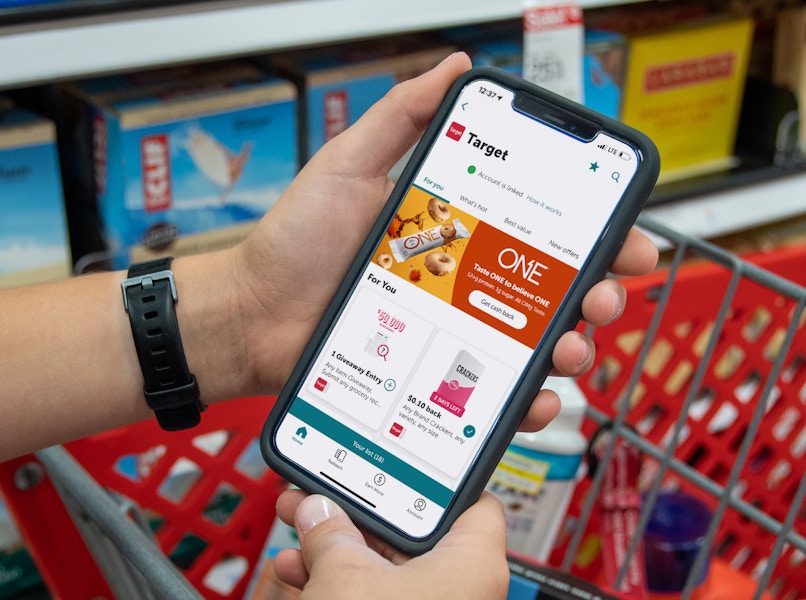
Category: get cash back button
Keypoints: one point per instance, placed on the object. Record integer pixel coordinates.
(497, 309)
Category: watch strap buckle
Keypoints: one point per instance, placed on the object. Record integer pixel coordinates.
(147, 281)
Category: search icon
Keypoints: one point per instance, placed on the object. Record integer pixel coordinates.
(615, 176)
(383, 351)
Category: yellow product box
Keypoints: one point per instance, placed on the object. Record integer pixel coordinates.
(684, 88)
(789, 59)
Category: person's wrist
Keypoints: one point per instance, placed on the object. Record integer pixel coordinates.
(209, 323)
(277, 295)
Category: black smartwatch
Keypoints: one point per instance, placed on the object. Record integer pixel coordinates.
(171, 391)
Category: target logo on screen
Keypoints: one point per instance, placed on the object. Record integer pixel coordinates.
(455, 131)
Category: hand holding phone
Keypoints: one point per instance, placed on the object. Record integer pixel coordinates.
(513, 205)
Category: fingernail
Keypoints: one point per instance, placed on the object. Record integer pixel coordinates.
(619, 301)
(315, 510)
(586, 356)
(450, 56)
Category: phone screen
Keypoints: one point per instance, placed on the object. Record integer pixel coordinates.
(413, 374)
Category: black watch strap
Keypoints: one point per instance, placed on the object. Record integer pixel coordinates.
(149, 296)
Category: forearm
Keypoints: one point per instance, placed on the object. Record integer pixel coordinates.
(69, 366)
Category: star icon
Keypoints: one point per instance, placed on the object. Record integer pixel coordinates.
(594, 166)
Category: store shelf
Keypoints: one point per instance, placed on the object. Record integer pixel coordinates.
(61, 49)
(68, 48)
(721, 213)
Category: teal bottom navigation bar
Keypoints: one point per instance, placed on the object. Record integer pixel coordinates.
(372, 453)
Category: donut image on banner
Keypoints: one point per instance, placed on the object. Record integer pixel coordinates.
(425, 242)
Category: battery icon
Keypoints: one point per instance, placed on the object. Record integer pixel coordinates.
(624, 155)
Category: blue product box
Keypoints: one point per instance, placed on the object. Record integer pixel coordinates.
(191, 166)
(498, 44)
(338, 86)
(506, 54)
(34, 244)
(603, 72)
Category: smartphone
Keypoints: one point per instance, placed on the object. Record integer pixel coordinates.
(514, 203)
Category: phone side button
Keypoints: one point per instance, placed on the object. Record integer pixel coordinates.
(496, 308)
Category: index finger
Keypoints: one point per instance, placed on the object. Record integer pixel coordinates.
(401, 117)
(638, 255)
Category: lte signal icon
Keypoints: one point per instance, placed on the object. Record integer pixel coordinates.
(602, 146)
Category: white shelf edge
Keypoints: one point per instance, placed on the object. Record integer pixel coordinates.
(722, 213)
(81, 47)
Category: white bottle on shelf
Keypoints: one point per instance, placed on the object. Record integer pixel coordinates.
(536, 477)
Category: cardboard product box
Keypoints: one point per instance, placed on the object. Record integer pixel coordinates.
(641, 17)
(604, 63)
(34, 244)
(191, 166)
(603, 71)
(339, 84)
(200, 76)
(506, 54)
(497, 44)
(789, 60)
(75, 125)
(684, 88)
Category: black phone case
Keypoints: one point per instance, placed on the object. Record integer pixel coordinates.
(566, 318)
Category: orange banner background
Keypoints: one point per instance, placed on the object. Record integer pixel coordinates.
(483, 250)
(536, 294)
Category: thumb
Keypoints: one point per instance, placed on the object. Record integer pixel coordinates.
(401, 117)
(326, 533)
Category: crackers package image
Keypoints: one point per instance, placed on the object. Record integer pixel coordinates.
(458, 384)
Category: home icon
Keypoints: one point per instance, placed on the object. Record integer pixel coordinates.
(302, 432)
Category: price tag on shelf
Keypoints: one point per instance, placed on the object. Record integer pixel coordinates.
(553, 47)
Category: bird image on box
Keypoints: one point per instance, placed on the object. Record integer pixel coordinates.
(219, 164)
